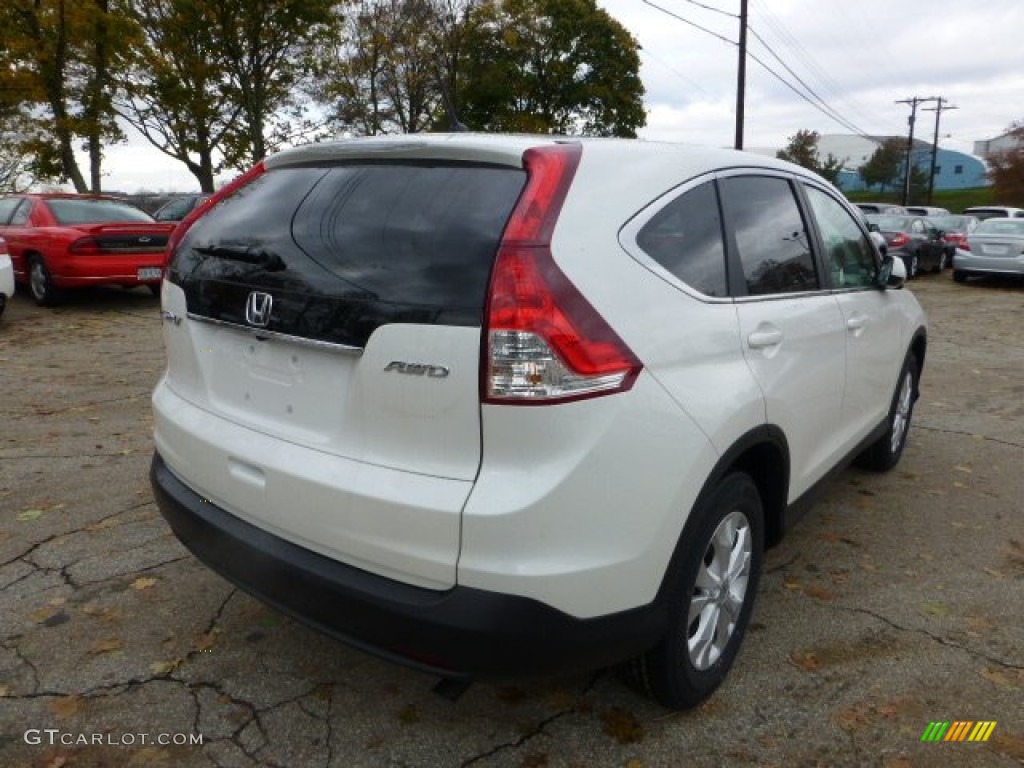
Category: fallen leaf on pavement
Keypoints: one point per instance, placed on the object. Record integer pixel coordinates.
(65, 706)
(160, 668)
(622, 726)
(106, 645)
(805, 660)
(143, 582)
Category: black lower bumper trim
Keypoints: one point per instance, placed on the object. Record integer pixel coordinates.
(461, 633)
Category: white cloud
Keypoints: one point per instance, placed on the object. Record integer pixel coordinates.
(860, 56)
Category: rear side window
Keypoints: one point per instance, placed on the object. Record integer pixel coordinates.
(685, 237)
(771, 237)
(346, 249)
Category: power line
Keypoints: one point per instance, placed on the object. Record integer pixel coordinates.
(691, 23)
(823, 107)
(711, 8)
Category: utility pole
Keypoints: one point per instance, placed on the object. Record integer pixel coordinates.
(741, 75)
(913, 102)
(935, 143)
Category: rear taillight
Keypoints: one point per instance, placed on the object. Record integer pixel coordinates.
(85, 246)
(899, 240)
(543, 341)
(203, 208)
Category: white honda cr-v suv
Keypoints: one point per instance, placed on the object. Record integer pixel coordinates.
(495, 405)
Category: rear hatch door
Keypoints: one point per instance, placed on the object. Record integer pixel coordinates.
(336, 307)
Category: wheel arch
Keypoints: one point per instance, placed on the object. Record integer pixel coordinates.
(26, 256)
(763, 454)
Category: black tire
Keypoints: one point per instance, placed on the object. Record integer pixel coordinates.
(913, 266)
(698, 649)
(941, 264)
(885, 453)
(40, 283)
(959, 276)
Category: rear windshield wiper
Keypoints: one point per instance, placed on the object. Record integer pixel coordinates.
(248, 254)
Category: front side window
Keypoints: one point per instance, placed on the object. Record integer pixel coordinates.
(685, 237)
(771, 237)
(849, 253)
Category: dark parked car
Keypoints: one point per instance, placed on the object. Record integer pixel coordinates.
(914, 239)
(178, 208)
(927, 210)
(955, 230)
(890, 208)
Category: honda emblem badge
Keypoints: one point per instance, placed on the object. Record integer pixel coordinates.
(257, 309)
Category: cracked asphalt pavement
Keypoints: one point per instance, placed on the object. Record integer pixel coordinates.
(898, 600)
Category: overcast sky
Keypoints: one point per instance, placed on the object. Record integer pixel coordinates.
(858, 56)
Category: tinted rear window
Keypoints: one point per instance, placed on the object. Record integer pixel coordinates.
(70, 212)
(346, 249)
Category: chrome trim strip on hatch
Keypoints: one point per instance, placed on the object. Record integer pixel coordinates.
(262, 333)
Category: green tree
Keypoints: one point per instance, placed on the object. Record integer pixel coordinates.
(1006, 169)
(264, 48)
(885, 166)
(175, 93)
(382, 74)
(802, 149)
(549, 66)
(57, 60)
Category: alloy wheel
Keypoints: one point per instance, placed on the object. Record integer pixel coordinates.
(901, 416)
(720, 590)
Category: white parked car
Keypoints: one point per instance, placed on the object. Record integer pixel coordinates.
(996, 248)
(6, 276)
(494, 405)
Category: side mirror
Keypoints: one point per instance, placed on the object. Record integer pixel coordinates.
(892, 273)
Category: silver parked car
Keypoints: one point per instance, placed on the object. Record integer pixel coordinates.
(996, 247)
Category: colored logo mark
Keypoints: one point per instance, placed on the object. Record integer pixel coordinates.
(959, 730)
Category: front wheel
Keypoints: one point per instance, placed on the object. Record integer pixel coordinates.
(912, 266)
(885, 452)
(711, 599)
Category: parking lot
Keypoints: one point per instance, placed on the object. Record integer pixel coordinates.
(897, 602)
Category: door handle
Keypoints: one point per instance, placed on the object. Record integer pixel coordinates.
(856, 322)
(764, 337)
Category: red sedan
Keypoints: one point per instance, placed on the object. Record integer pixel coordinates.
(61, 241)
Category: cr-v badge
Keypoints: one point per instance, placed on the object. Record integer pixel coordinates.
(417, 369)
(257, 309)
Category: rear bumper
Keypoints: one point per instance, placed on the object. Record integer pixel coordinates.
(119, 269)
(460, 633)
(967, 261)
